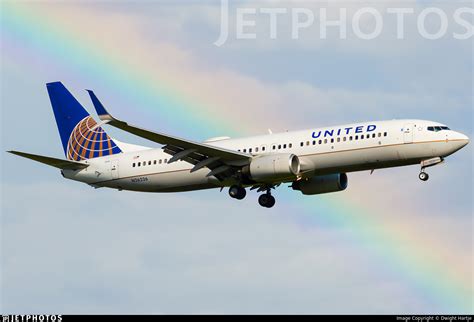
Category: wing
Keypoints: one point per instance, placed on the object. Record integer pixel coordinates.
(222, 162)
(57, 163)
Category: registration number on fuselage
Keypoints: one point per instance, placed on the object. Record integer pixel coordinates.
(139, 179)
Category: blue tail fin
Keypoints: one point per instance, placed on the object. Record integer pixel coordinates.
(80, 135)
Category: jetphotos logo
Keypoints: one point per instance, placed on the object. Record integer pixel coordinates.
(32, 318)
(242, 21)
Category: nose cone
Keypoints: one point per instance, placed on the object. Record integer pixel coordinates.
(463, 139)
(460, 140)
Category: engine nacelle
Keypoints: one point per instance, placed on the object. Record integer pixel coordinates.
(268, 168)
(321, 184)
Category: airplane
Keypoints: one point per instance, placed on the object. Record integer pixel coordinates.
(313, 161)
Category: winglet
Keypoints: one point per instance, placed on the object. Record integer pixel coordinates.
(100, 109)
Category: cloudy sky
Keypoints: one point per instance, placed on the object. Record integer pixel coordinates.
(388, 244)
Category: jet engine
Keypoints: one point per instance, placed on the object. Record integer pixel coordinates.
(269, 168)
(321, 184)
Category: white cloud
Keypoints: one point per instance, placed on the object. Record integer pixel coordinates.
(106, 251)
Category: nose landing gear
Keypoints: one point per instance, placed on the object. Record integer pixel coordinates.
(423, 175)
(428, 163)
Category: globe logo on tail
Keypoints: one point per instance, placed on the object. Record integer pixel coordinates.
(89, 141)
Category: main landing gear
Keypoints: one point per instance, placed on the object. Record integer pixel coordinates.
(266, 200)
(237, 192)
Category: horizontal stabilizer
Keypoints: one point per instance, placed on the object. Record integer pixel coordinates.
(57, 163)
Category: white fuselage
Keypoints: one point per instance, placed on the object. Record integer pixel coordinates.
(335, 149)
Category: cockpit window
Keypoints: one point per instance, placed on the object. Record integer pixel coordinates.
(437, 128)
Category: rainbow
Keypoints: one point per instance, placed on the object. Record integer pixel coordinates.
(30, 33)
(434, 281)
(39, 31)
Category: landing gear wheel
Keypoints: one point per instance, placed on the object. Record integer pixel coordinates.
(241, 194)
(237, 192)
(266, 200)
(271, 201)
(423, 176)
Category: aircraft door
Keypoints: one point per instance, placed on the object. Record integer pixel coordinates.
(114, 169)
(408, 131)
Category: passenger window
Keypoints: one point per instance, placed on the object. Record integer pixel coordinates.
(325, 141)
(133, 165)
(154, 162)
(256, 149)
(332, 140)
(338, 139)
(301, 144)
(144, 163)
(314, 142)
(373, 136)
(263, 148)
(274, 147)
(290, 145)
(307, 142)
(279, 146)
(344, 139)
(350, 138)
(250, 150)
(165, 160)
(380, 134)
(320, 141)
(385, 134)
(356, 137)
(284, 146)
(139, 163)
(149, 162)
(245, 150)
